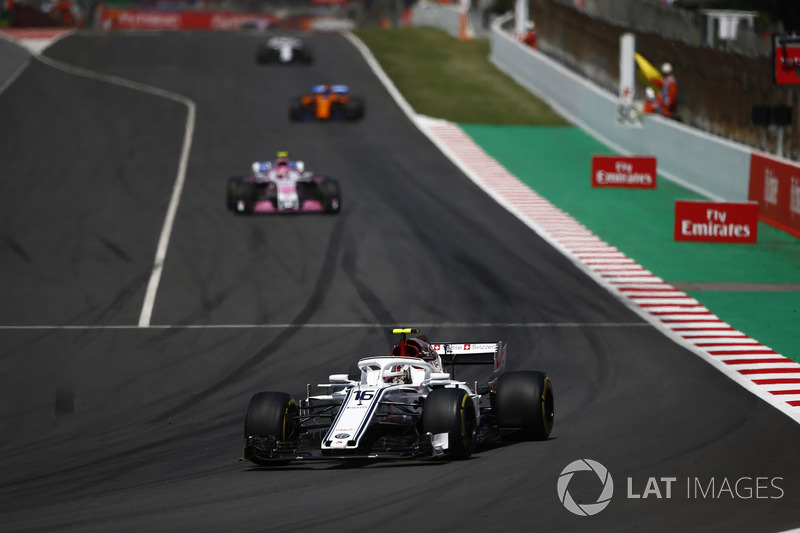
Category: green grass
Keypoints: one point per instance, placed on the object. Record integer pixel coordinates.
(446, 78)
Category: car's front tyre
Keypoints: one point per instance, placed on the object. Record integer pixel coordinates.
(355, 108)
(331, 196)
(239, 196)
(269, 414)
(451, 411)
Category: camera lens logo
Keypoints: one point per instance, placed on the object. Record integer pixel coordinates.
(587, 509)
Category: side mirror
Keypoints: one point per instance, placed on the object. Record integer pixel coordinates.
(339, 379)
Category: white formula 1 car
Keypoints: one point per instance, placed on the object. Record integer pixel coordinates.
(283, 51)
(402, 405)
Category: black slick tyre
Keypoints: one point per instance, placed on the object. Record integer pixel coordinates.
(271, 414)
(524, 401)
(239, 196)
(451, 411)
(297, 110)
(264, 55)
(331, 196)
(355, 109)
(231, 193)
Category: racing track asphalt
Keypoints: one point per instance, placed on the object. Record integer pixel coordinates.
(111, 427)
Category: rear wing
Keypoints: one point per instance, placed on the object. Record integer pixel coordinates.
(492, 353)
(339, 88)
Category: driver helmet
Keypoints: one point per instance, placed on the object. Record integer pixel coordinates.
(282, 159)
(414, 347)
(397, 374)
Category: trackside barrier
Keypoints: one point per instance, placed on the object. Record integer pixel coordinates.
(443, 16)
(775, 185)
(713, 167)
(710, 166)
(140, 19)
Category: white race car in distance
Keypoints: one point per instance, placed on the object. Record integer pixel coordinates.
(283, 50)
(402, 405)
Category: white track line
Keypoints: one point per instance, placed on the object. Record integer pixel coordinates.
(36, 41)
(11, 79)
(166, 230)
(334, 325)
(682, 318)
(180, 179)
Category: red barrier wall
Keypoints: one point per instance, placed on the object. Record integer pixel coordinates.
(775, 185)
(130, 19)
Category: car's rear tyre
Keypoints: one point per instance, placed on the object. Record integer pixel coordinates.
(451, 411)
(524, 401)
(271, 414)
(331, 196)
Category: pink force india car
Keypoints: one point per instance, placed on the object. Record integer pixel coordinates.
(404, 404)
(283, 186)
